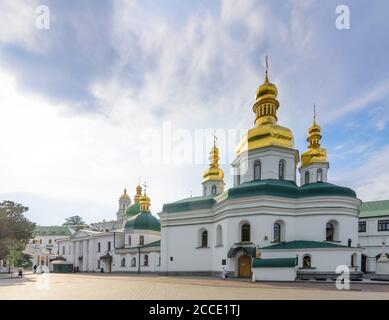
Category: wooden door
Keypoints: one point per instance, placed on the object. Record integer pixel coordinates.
(244, 265)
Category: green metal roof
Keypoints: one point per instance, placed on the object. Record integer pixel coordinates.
(269, 187)
(192, 203)
(303, 244)
(52, 231)
(143, 221)
(152, 244)
(374, 209)
(275, 263)
(133, 209)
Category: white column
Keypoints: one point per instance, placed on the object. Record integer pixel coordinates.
(77, 254)
(73, 253)
(91, 265)
(85, 255)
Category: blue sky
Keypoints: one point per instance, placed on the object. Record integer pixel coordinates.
(77, 100)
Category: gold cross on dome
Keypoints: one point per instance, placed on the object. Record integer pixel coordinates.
(314, 112)
(145, 186)
(214, 137)
(267, 63)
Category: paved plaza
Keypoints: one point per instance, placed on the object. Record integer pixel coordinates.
(131, 287)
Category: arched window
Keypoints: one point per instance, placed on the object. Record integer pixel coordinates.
(330, 231)
(219, 240)
(214, 189)
(281, 170)
(146, 260)
(129, 240)
(133, 262)
(141, 240)
(276, 232)
(257, 170)
(319, 175)
(245, 234)
(204, 238)
(306, 177)
(123, 262)
(306, 262)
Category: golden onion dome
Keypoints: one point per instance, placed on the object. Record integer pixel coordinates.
(266, 89)
(314, 152)
(125, 196)
(144, 203)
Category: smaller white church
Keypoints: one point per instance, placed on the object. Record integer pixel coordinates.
(134, 247)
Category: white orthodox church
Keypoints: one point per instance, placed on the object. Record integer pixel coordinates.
(267, 226)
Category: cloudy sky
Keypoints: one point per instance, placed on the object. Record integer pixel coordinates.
(116, 90)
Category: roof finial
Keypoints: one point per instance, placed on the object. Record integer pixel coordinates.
(145, 187)
(314, 112)
(214, 138)
(267, 68)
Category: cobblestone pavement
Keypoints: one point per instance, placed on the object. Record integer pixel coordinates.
(129, 287)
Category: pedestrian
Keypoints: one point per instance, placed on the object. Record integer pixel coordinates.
(20, 273)
(224, 273)
(35, 267)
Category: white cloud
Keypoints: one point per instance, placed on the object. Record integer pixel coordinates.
(201, 74)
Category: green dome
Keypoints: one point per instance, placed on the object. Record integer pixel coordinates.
(133, 209)
(143, 221)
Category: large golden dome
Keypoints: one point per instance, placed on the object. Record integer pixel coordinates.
(266, 131)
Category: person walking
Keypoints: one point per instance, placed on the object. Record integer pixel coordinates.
(35, 267)
(224, 273)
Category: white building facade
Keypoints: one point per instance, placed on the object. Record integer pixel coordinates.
(373, 233)
(43, 247)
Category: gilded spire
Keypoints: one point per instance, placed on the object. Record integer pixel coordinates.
(214, 172)
(144, 200)
(266, 103)
(266, 132)
(314, 153)
(138, 193)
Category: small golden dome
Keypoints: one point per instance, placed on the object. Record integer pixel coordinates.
(314, 153)
(138, 193)
(125, 196)
(144, 203)
(266, 89)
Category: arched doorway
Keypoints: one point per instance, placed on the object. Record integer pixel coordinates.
(244, 266)
(363, 263)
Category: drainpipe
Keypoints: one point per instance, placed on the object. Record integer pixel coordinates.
(138, 259)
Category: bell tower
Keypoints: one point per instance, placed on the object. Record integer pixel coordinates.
(213, 183)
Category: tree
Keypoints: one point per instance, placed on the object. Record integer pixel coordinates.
(15, 228)
(76, 222)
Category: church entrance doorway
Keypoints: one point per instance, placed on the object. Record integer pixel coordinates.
(244, 266)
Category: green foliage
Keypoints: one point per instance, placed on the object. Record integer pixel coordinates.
(15, 228)
(75, 222)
